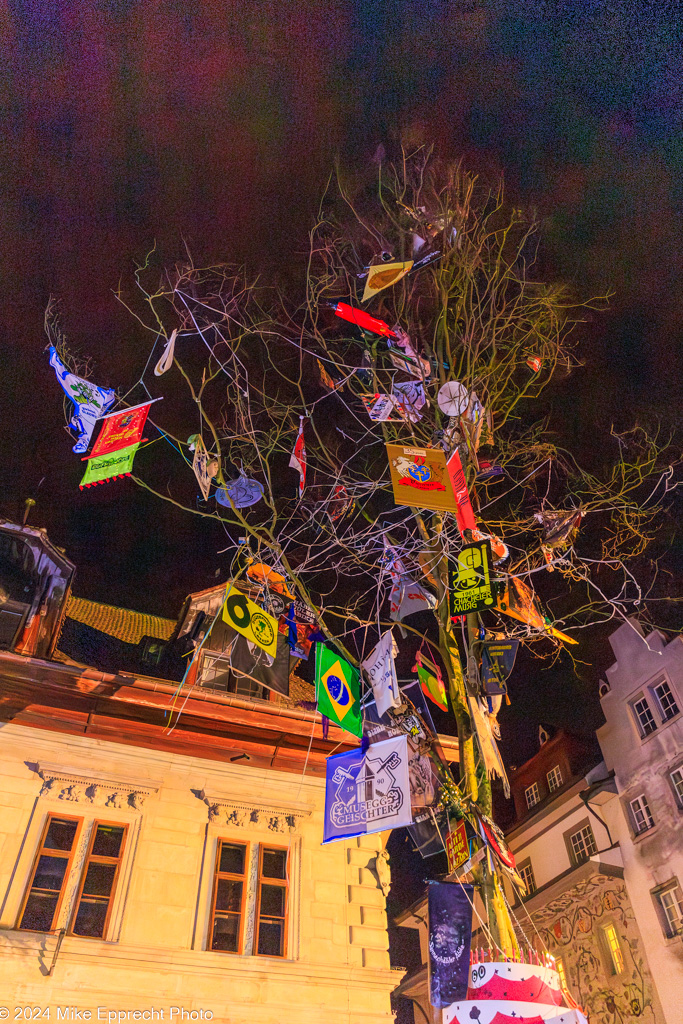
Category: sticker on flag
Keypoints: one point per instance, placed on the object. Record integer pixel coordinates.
(367, 791)
(251, 621)
(337, 690)
(457, 848)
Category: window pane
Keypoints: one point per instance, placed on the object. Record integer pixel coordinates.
(99, 879)
(229, 895)
(273, 900)
(677, 779)
(232, 859)
(274, 864)
(226, 933)
(39, 912)
(50, 873)
(107, 842)
(666, 701)
(271, 936)
(91, 917)
(60, 834)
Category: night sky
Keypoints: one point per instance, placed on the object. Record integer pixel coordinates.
(215, 124)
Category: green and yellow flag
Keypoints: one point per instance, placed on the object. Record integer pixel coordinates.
(337, 690)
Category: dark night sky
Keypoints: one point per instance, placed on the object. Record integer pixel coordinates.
(130, 121)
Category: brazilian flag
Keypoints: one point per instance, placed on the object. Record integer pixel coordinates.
(337, 690)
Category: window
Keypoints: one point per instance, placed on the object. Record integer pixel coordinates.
(532, 795)
(665, 698)
(582, 844)
(670, 900)
(559, 967)
(229, 931)
(640, 812)
(229, 890)
(613, 948)
(50, 872)
(644, 716)
(527, 873)
(271, 912)
(98, 882)
(676, 777)
(217, 673)
(554, 777)
(50, 877)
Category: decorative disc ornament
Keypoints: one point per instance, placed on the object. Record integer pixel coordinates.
(244, 492)
(453, 398)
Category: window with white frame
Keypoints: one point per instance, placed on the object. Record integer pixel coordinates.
(531, 795)
(582, 844)
(669, 899)
(53, 871)
(668, 707)
(554, 777)
(676, 777)
(527, 873)
(640, 813)
(644, 717)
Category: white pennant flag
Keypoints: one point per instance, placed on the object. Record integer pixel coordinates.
(380, 669)
(167, 356)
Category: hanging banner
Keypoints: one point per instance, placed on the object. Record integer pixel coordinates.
(89, 401)
(337, 690)
(518, 601)
(367, 791)
(450, 939)
(497, 662)
(298, 457)
(121, 429)
(411, 398)
(382, 275)
(469, 575)
(414, 722)
(464, 514)
(108, 467)
(419, 477)
(380, 408)
(251, 621)
(457, 848)
(380, 668)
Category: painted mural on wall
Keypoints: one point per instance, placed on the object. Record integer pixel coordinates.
(575, 927)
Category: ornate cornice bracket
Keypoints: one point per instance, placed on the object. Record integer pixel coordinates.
(256, 814)
(93, 789)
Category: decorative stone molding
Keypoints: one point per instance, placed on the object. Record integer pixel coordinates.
(93, 789)
(254, 814)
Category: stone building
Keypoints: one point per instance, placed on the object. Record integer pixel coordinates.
(578, 905)
(160, 845)
(642, 743)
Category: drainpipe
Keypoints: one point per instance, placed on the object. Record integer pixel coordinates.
(60, 937)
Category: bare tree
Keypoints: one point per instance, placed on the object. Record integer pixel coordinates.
(259, 363)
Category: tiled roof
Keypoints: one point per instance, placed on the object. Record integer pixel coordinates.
(122, 623)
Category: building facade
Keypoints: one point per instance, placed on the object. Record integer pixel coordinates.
(578, 905)
(642, 743)
(160, 844)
